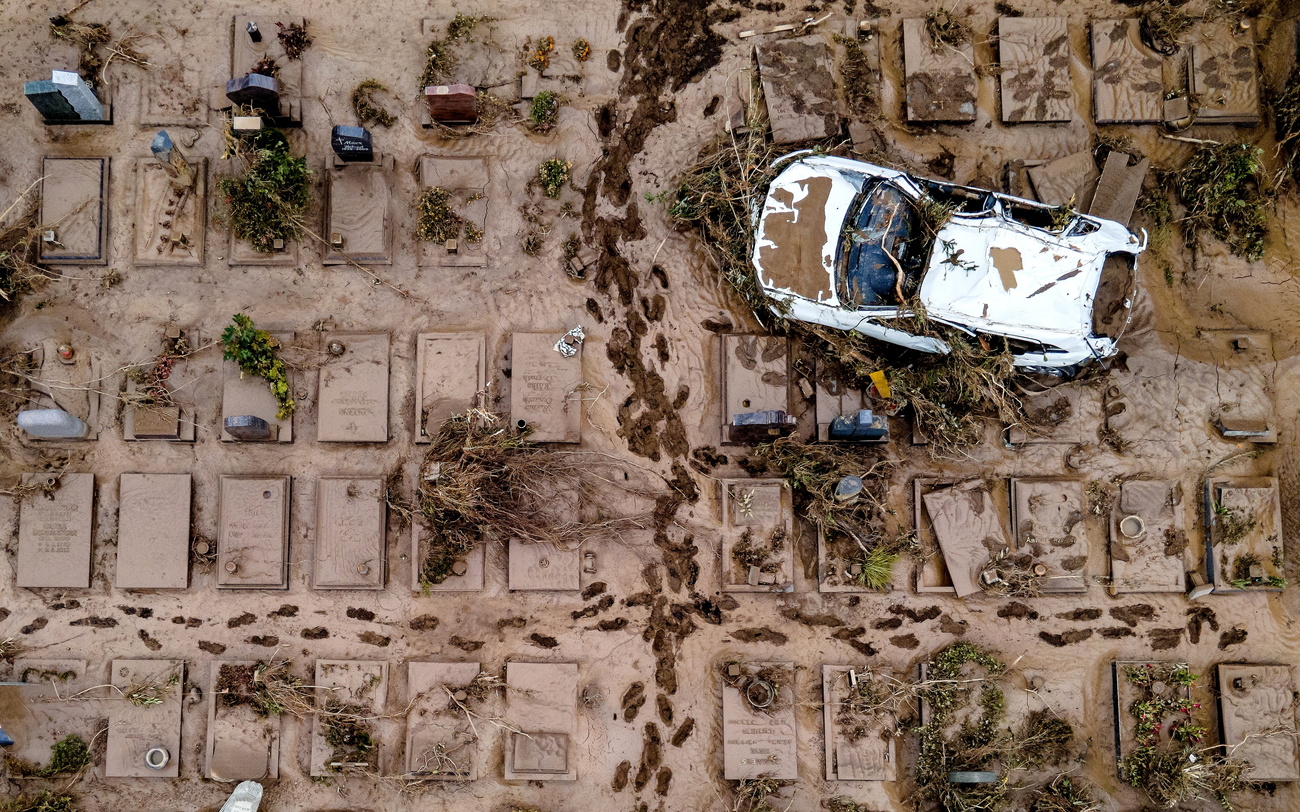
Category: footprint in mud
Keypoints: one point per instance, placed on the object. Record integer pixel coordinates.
(1079, 615)
(1065, 638)
(633, 699)
(916, 615)
(1116, 632)
(611, 625)
(467, 646)
(663, 779)
(265, 641)
(665, 708)
(315, 633)
(1017, 611)
(684, 731)
(187, 622)
(824, 619)
(887, 624)
(211, 648)
(142, 612)
(907, 641)
(1162, 639)
(949, 625)
(242, 620)
(149, 642)
(620, 776)
(285, 610)
(372, 639)
(357, 613)
(95, 621)
(424, 623)
(35, 626)
(511, 623)
(1133, 614)
(1197, 617)
(593, 590)
(1232, 637)
(543, 641)
(762, 634)
(652, 756)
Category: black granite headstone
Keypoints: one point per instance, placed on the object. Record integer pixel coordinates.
(352, 144)
(248, 427)
(49, 102)
(256, 91)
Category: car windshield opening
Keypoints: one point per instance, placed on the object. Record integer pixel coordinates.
(878, 260)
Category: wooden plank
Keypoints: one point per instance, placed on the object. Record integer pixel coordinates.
(1127, 76)
(1035, 56)
(939, 78)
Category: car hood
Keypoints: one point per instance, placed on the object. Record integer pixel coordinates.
(988, 273)
(799, 229)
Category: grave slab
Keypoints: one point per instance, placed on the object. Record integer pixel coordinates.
(356, 687)
(1035, 56)
(1065, 180)
(1245, 385)
(968, 524)
(757, 743)
(541, 702)
(54, 532)
(241, 252)
(135, 730)
(1152, 560)
(1223, 74)
(1243, 519)
(1066, 414)
(939, 78)
(799, 88)
(536, 566)
(240, 746)
(1047, 515)
(70, 387)
(1127, 76)
(757, 531)
(74, 205)
(475, 564)
(755, 377)
(450, 371)
(1119, 188)
(545, 388)
(253, 533)
(440, 742)
(251, 394)
(1256, 707)
(170, 223)
(153, 531)
(349, 533)
(359, 210)
(851, 756)
(245, 54)
(353, 390)
(1125, 693)
(466, 179)
(169, 423)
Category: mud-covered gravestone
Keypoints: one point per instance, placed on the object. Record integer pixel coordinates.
(545, 388)
(440, 741)
(939, 77)
(1148, 538)
(542, 719)
(248, 51)
(153, 531)
(74, 211)
(1127, 76)
(966, 523)
(464, 183)
(755, 388)
(353, 389)
(351, 695)
(860, 740)
(1257, 708)
(241, 744)
(757, 531)
(359, 202)
(544, 566)
(799, 88)
(1047, 515)
(1035, 56)
(1063, 415)
(170, 207)
(253, 533)
(144, 722)
(758, 722)
(1223, 74)
(54, 531)
(349, 533)
(1244, 546)
(450, 372)
(243, 394)
(66, 98)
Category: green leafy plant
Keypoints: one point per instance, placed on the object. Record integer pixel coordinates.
(267, 201)
(877, 569)
(552, 176)
(45, 802)
(257, 353)
(68, 755)
(1225, 192)
(364, 106)
(544, 111)
(436, 220)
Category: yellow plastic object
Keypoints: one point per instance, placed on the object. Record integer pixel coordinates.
(881, 382)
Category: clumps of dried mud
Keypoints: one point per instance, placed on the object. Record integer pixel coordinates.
(1134, 614)
(1065, 638)
(762, 634)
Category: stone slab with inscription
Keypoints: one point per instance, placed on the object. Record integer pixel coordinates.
(349, 533)
(756, 743)
(542, 702)
(253, 532)
(544, 388)
(353, 391)
(435, 725)
(543, 566)
(135, 730)
(54, 532)
(450, 371)
(153, 531)
(244, 394)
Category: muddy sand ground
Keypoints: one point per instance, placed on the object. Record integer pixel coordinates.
(662, 80)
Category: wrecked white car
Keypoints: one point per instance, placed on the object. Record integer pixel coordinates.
(848, 245)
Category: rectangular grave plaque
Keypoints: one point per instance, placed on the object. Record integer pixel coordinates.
(153, 531)
(54, 533)
(353, 391)
(253, 532)
(544, 388)
(349, 533)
